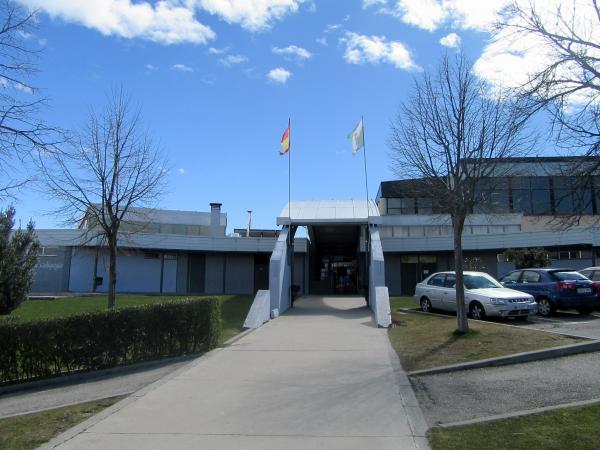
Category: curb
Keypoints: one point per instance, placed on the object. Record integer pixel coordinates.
(414, 415)
(526, 412)
(90, 375)
(564, 350)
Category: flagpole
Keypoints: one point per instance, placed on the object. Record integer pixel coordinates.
(365, 160)
(290, 244)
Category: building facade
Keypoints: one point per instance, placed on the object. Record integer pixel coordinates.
(527, 202)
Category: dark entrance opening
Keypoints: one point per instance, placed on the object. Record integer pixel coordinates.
(336, 265)
(261, 272)
(415, 269)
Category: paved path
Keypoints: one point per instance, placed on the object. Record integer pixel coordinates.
(567, 322)
(471, 394)
(320, 376)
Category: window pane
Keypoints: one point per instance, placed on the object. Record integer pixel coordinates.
(521, 201)
(541, 201)
(531, 277)
(563, 201)
(425, 205)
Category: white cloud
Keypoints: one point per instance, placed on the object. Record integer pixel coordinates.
(510, 60)
(165, 21)
(293, 50)
(322, 41)
(362, 49)
(432, 14)
(231, 60)
(332, 27)
(368, 3)
(218, 51)
(182, 68)
(150, 68)
(253, 15)
(279, 75)
(181, 171)
(451, 40)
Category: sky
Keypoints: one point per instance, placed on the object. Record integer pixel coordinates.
(217, 81)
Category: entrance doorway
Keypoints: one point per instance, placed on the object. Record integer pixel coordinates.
(336, 266)
(415, 269)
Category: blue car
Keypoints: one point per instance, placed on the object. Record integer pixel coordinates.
(554, 289)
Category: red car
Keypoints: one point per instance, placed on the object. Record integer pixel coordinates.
(593, 273)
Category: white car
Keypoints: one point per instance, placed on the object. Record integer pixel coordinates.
(484, 296)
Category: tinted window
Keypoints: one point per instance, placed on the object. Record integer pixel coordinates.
(595, 276)
(567, 276)
(450, 281)
(529, 276)
(479, 282)
(512, 277)
(437, 280)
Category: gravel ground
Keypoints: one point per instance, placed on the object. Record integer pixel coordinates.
(471, 394)
(24, 402)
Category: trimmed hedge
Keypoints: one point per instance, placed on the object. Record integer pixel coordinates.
(96, 341)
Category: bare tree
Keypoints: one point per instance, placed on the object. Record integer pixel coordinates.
(113, 167)
(450, 134)
(20, 130)
(567, 35)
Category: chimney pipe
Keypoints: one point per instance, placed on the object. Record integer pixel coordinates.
(215, 220)
(249, 223)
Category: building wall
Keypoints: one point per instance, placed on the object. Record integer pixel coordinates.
(213, 281)
(51, 273)
(135, 272)
(239, 274)
(392, 273)
(182, 273)
(169, 275)
(81, 276)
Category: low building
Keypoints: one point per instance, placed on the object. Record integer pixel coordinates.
(525, 204)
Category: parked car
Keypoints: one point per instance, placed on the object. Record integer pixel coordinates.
(484, 296)
(593, 273)
(554, 289)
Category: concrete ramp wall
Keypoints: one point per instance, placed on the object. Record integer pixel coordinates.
(379, 299)
(280, 272)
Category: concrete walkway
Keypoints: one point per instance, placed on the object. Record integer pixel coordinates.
(320, 376)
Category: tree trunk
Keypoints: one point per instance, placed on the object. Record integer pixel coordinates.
(112, 272)
(461, 310)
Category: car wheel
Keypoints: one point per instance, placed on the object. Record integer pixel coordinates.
(545, 307)
(584, 310)
(477, 311)
(426, 305)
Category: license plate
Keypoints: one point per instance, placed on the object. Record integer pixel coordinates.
(584, 290)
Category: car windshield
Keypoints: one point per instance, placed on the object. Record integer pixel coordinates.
(568, 276)
(480, 282)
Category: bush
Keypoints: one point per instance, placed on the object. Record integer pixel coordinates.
(18, 257)
(97, 341)
(524, 258)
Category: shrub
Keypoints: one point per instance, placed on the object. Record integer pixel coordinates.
(524, 258)
(96, 341)
(18, 256)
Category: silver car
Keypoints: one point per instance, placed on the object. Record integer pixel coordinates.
(484, 296)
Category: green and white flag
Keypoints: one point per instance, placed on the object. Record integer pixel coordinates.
(357, 136)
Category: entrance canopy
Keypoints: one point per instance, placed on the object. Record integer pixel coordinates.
(313, 212)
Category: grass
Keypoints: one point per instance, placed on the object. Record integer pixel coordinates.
(31, 430)
(426, 341)
(402, 302)
(573, 428)
(234, 308)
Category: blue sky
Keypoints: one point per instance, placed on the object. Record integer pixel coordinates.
(204, 87)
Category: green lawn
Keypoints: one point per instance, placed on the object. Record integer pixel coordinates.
(234, 308)
(424, 341)
(402, 302)
(569, 428)
(32, 430)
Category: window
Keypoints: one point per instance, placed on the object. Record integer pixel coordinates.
(595, 275)
(540, 195)
(567, 276)
(437, 280)
(170, 256)
(529, 276)
(150, 255)
(512, 277)
(450, 281)
(47, 251)
(425, 206)
(521, 195)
